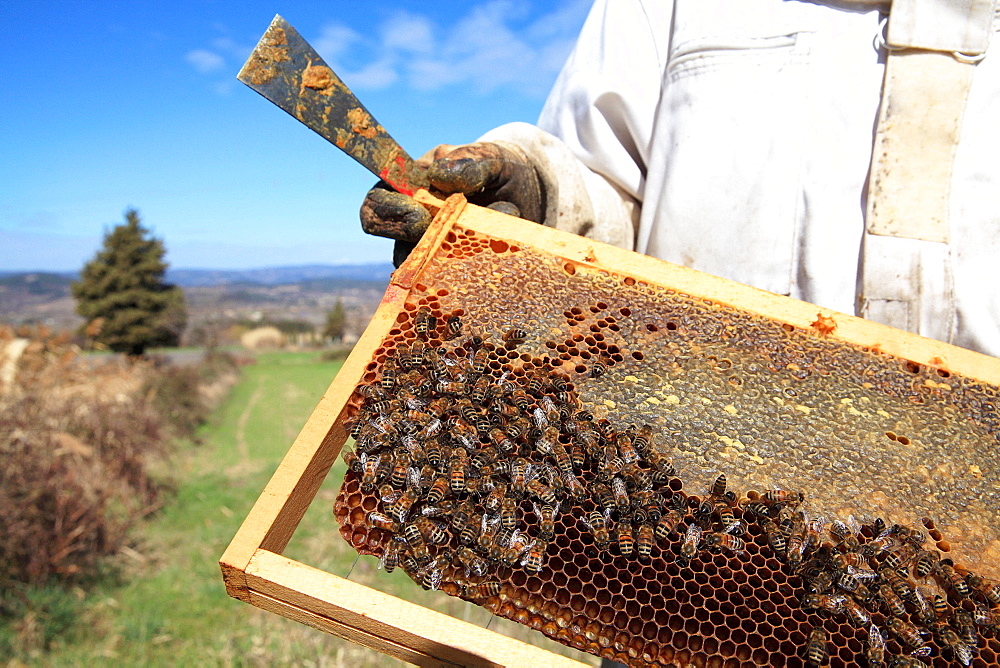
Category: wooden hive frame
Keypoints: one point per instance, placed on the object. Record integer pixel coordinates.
(253, 567)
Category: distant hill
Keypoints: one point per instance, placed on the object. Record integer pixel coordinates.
(280, 275)
(39, 282)
(35, 286)
(305, 292)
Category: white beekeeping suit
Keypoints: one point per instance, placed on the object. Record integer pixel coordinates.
(736, 137)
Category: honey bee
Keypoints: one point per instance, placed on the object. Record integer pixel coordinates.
(832, 603)
(353, 461)
(416, 356)
(620, 492)
(432, 574)
(925, 606)
(482, 590)
(464, 433)
(540, 492)
(390, 555)
(953, 579)
(644, 541)
(418, 546)
(401, 506)
(424, 322)
(562, 458)
(626, 450)
(986, 588)
(626, 541)
(728, 520)
(508, 512)
(844, 560)
(893, 604)
(718, 490)
(514, 336)
(369, 475)
(875, 653)
(947, 637)
(436, 365)
(475, 566)
(546, 514)
(664, 467)
(986, 617)
(901, 586)
(433, 531)
(469, 530)
(692, 539)
(816, 647)
(545, 441)
(390, 372)
(487, 540)
(502, 440)
(482, 390)
(598, 368)
(451, 387)
(479, 361)
(384, 522)
(965, 623)
(400, 468)
(900, 556)
(758, 509)
(909, 635)
(924, 564)
(457, 470)
(597, 523)
(784, 497)
(495, 498)
(454, 325)
(670, 519)
(795, 545)
(517, 546)
(940, 606)
(725, 541)
(534, 556)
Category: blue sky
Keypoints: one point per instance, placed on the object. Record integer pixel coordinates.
(108, 106)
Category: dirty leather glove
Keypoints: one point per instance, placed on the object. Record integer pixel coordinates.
(488, 174)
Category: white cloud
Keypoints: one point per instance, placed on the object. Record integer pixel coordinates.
(205, 61)
(499, 44)
(335, 39)
(407, 32)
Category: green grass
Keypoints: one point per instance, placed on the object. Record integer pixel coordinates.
(166, 604)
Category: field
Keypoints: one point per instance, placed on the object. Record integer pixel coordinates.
(165, 604)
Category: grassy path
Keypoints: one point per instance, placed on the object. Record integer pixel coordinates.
(169, 606)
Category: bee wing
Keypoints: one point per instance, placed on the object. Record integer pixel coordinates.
(539, 418)
(391, 497)
(735, 527)
(875, 637)
(694, 534)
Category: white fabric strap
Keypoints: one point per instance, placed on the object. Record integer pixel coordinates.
(932, 50)
(952, 26)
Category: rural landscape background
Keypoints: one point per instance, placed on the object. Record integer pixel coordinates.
(124, 476)
(138, 472)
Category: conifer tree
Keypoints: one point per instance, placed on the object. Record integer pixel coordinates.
(336, 320)
(122, 294)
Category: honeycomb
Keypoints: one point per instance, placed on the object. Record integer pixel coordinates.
(658, 479)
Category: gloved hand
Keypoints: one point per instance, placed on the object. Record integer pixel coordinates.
(487, 174)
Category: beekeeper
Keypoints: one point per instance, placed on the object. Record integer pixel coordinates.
(846, 153)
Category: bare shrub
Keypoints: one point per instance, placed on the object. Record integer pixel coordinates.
(77, 438)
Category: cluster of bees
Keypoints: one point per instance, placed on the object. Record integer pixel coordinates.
(886, 585)
(473, 461)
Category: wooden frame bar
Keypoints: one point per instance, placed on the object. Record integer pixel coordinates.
(254, 570)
